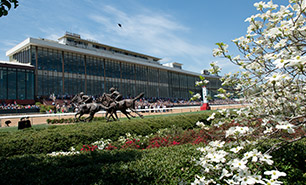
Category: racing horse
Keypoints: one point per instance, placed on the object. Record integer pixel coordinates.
(122, 105)
(88, 108)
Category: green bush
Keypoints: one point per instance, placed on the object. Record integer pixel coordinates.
(289, 159)
(62, 137)
(170, 165)
(155, 166)
(49, 121)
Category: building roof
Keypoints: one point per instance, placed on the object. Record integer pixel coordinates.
(77, 37)
(16, 64)
(98, 53)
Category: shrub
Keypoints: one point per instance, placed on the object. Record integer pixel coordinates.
(60, 138)
(156, 166)
(170, 165)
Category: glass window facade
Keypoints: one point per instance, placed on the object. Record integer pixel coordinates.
(3, 82)
(67, 73)
(16, 83)
(23, 56)
(12, 83)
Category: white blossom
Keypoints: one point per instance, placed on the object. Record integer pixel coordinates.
(275, 174)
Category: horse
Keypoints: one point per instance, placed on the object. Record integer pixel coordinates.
(89, 108)
(122, 105)
(75, 101)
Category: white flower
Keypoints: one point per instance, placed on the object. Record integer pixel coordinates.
(211, 117)
(280, 44)
(289, 127)
(225, 173)
(266, 158)
(217, 157)
(217, 52)
(72, 149)
(275, 174)
(268, 130)
(280, 63)
(239, 164)
(230, 131)
(202, 125)
(202, 181)
(196, 96)
(236, 149)
(230, 181)
(272, 182)
(220, 123)
(217, 143)
(237, 131)
(276, 77)
(53, 154)
(255, 154)
(248, 179)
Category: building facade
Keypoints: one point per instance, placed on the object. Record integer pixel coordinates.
(16, 81)
(72, 64)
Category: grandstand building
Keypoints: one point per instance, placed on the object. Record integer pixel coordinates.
(40, 67)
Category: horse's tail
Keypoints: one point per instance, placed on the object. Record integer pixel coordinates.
(139, 96)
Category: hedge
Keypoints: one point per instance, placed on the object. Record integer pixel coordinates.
(62, 137)
(170, 165)
(154, 166)
(291, 158)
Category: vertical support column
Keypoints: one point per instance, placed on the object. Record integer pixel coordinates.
(120, 68)
(135, 85)
(158, 82)
(85, 74)
(104, 80)
(63, 73)
(103, 61)
(36, 71)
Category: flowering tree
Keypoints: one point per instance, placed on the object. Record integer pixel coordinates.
(5, 6)
(273, 80)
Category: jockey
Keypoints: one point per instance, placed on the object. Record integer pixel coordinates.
(85, 98)
(115, 95)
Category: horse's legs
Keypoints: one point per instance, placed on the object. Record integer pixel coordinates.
(115, 113)
(75, 117)
(81, 114)
(134, 110)
(78, 118)
(110, 112)
(129, 114)
(106, 114)
(126, 113)
(90, 117)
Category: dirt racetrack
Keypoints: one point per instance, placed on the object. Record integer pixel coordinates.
(42, 120)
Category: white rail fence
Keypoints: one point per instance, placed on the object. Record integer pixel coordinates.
(149, 111)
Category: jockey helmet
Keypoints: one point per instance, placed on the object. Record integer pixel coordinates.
(112, 89)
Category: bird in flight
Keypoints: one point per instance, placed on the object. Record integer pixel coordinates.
(119, 25)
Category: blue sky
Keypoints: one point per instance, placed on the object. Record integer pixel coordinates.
(174, 30)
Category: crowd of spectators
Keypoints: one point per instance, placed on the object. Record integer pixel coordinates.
(168, 102)
(14, 106)
(224, 102)
(153, 103)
